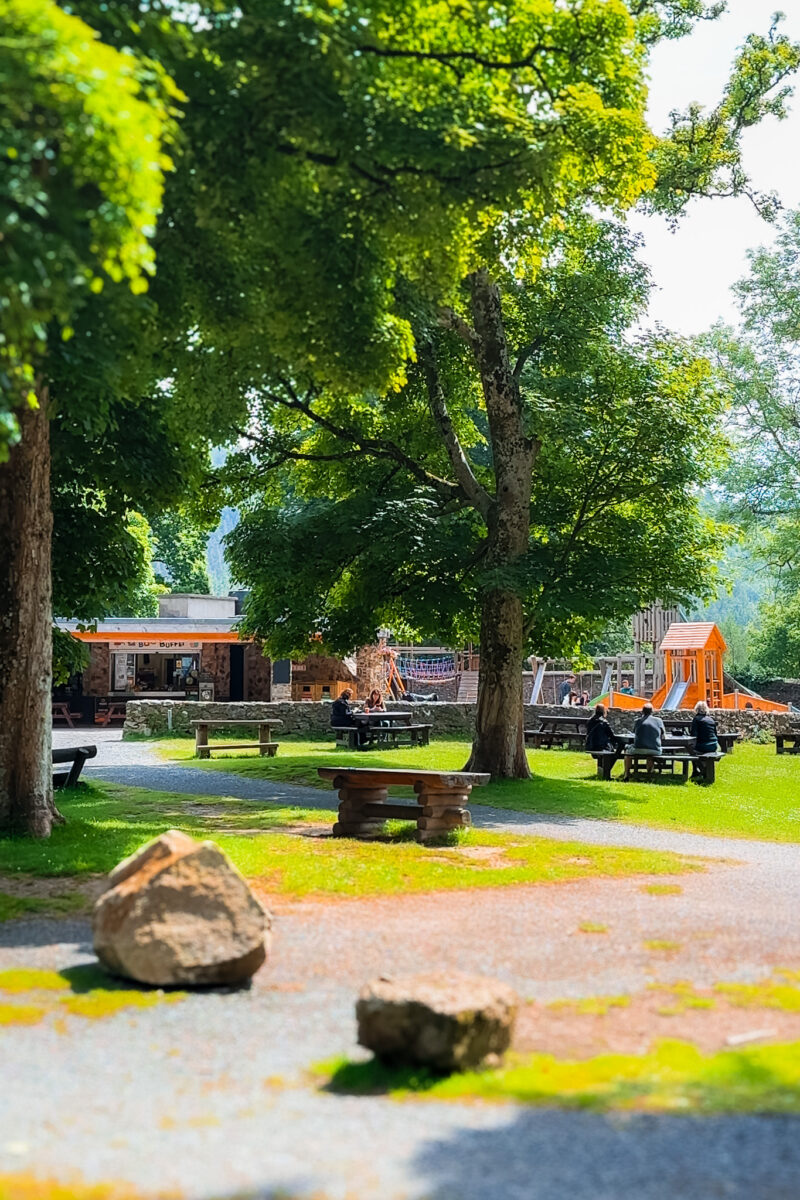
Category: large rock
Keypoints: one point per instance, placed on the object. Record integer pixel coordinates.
(449, 1022)
(178, 912)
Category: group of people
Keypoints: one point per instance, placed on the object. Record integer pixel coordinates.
(648, 734)
(569, 696)
(342, 710)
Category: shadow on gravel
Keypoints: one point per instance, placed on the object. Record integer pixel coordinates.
(45, 931)
(547, 1155)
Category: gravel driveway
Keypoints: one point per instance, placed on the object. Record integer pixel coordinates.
(208, 1097)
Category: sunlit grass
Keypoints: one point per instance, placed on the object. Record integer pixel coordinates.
(28, 996)
(673, 1076)
(756, 794)
(105, 824)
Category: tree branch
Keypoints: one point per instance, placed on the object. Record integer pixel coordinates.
(448, 318)
(476, 494)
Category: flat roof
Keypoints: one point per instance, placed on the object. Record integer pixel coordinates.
(207, 629)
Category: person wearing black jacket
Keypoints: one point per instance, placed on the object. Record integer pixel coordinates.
(704, 731)
(599, 734)
(342, 714)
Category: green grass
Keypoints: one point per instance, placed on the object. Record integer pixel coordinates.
(105, 824)
(20, 906)
(673, 1077)
(756, 794)
(28, 996)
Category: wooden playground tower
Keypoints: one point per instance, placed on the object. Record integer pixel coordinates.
(693, 666)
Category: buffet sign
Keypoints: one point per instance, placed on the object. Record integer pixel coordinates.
(162, 646)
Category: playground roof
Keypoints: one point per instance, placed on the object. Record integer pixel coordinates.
(693, 635)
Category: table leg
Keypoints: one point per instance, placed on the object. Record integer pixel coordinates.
(201, 747)
(263, 736)
(352, 822)
(441, 812)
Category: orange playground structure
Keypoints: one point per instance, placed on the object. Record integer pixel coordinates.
(694, 671)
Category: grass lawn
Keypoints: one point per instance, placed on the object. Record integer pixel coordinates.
(106, 823)
(673, 1077)
(756, 795)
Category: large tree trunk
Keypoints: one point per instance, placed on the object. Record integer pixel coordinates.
(499, 743)
(26, 783)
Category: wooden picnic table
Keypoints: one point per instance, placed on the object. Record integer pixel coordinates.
(364, 805)
(115, 711)
(264, 745)
(393, 727)
(787, 735)
(61, 712)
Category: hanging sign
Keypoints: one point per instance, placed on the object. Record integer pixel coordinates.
(162, 646)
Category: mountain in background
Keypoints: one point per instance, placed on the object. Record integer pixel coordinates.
(218, 573)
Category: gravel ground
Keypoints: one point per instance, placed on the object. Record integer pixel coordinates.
(209, 1096)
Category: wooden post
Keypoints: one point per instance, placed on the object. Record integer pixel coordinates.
(201, 741)
(352, 822)
(442, 810)
(264, 735)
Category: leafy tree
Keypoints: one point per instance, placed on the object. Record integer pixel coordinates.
(179, 552)
(349, 530)
(80, 186)
(358, 179)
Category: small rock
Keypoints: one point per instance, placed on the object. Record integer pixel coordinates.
(447, 1021)
(178, 912)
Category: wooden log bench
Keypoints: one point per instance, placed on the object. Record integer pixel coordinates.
(364, 805)
(76, 756)
(264, 745)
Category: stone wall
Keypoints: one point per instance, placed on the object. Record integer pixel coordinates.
(97, 676)
(448, 720)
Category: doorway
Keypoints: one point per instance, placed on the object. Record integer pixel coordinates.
(237, 672)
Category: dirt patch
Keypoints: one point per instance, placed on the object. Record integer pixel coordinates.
(29, 887)
(647, 1017)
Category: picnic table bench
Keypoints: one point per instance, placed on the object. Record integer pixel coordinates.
(391, 728)
(115, 711)
(787, 735)
(61, 712)
(264, 745)
(648, 764)
(364, 805)
(565, 729)
(76, 756)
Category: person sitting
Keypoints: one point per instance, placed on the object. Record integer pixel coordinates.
(583, 700)
(374, 702)
(599, 734)
(626, 689)
(704, 731)
(647, 734)
(342, 714)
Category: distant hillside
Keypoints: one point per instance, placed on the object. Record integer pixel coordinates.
(218, 571)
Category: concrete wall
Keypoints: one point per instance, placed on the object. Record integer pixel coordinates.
(189, 604)
(448, 720)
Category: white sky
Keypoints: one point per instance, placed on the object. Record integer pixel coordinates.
(694, 267)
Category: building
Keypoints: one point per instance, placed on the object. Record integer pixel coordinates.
(191, 649)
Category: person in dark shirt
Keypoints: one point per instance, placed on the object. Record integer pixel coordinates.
(565, 688)
(647, 734)
(704, 731)
(342, 714)
(599, 734)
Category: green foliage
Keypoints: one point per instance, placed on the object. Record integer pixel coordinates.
(346, 536)
(81, 176)
(179, 552)
(70, 656)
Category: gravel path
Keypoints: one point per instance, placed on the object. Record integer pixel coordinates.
(208, 1096)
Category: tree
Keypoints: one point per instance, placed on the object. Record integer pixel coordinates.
(355, 176)
(348, 531)
(179, 552)
(80, 188)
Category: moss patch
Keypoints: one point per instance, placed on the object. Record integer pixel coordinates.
(591, 1006)
(673, 1077)
(29, 1187)
(78, 992)
(661, 889)
(592, 927)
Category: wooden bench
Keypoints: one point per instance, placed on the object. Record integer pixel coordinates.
(362, 737)
(542, 739)
(364, 805)
(264, 745)
(77, 756)
(788, 735)
(647, 764)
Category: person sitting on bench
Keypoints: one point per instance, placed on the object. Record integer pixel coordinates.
(342, 714)
(599, 734)
(704, 731)
(647, 734)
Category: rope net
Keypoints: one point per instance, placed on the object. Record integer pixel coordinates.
(427, 670)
